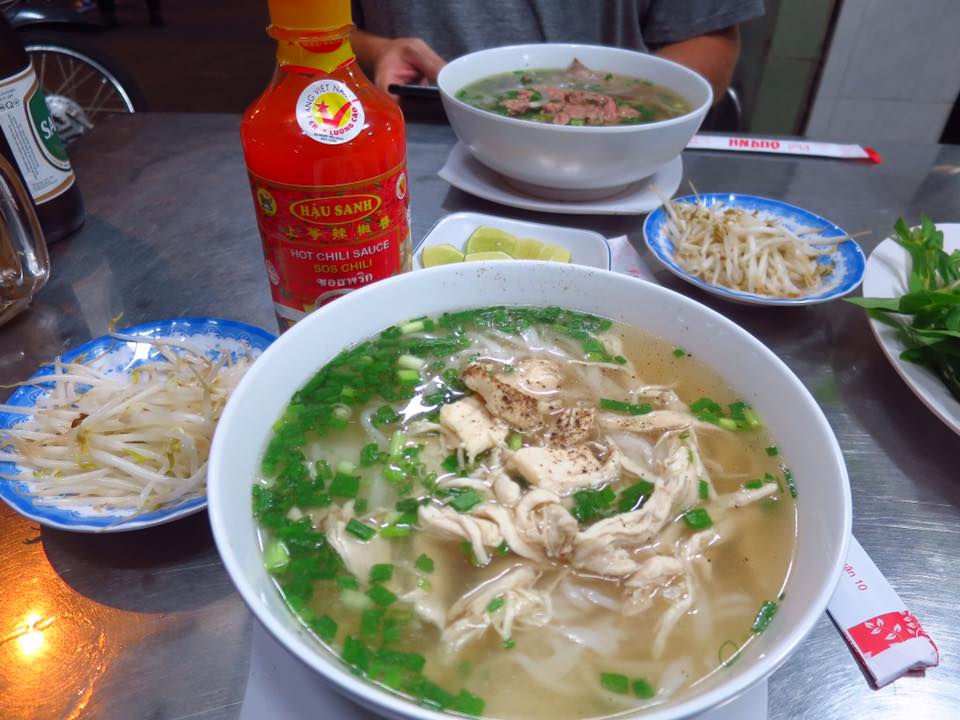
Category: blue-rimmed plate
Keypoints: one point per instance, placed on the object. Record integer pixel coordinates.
(847, 257)
(213, 335)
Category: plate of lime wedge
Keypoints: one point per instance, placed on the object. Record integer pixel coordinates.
(476, 237)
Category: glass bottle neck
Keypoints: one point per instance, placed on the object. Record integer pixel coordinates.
(323, 50)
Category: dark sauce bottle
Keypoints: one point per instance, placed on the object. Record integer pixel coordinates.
(30, 143)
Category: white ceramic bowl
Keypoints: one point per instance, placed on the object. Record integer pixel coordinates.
(793, 417)
(593, 160)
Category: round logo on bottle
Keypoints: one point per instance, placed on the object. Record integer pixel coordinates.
(329, 112)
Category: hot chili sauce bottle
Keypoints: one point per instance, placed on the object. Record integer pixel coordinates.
(326, 155)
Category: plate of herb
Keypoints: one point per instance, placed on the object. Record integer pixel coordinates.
(911, 291)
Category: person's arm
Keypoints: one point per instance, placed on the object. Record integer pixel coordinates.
(403, 61)
(713, 55)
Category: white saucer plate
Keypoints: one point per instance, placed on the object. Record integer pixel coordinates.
(465, 172)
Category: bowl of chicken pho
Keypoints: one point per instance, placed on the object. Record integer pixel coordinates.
(513, 491)
(572, 121)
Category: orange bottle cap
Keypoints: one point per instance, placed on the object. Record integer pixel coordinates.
(310, 14)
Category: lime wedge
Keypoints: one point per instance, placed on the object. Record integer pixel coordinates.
(554, 253)
(527, 249)
(487, 239)
(440, 255)
(487, 255)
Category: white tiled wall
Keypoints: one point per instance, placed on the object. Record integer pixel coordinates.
(892, 72)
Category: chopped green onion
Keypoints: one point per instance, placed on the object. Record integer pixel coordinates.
(450, 463)
(408, 377)
(791, 484)
(370, 621)
(503, 549)
(632, 498)
(346, 468)
(630, 408)
(643, 690)
(773, 451)
(370, 455)
(360, 530)
(424, 562)
(345, 486)
(381, 596)
(410, 362)
(727, 423)
(679, 352)
(392, 532)
(343, 412)
(397, 441)
(465, 501)
(325, 627)
(620, 359)
(276, 557)
(697, 519)
(753, 484)
(355, 600)
(515, 441)
(764, 616)
(347, 582)
(509, 644)
(468, 704)
(381, 572)
(615, 683)
(414, 326)
(703, 489)
(495, 604)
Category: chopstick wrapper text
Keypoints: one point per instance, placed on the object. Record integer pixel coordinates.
(887, 638)
(782, 146)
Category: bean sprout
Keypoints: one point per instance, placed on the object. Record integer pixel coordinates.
(123, 442)
(734, 248)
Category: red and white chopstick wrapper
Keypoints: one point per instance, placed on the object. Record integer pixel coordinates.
(782, 146)
(887, 638)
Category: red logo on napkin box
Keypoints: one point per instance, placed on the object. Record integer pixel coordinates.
(874, 636)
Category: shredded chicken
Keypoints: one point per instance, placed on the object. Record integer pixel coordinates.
(359, 556)
(573, 426)
(657, 421)
(523, 605)
(543, 522)
(481, 533)
(475, 430)
(564, 470)
(520, 398)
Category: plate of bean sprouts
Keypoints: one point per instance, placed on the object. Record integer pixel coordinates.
(114, 434)
(754, 250)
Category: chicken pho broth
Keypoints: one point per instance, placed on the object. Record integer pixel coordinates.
(575, 95)
(526, 513)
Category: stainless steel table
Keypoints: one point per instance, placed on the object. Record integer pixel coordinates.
(147, 624)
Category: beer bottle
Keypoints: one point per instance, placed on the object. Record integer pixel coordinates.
(30, 143)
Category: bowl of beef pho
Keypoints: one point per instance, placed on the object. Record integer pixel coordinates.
(572, 121)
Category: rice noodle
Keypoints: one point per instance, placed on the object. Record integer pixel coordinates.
(124, 442)
(747, 251)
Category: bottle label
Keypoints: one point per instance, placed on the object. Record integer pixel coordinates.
(322, 242)
(29, 131)
(329, 112)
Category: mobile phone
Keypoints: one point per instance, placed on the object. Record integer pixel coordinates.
(415, 91)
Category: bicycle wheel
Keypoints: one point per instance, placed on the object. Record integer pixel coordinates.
(81, 90)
